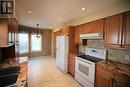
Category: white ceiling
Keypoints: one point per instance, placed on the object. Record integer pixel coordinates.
(47, 12)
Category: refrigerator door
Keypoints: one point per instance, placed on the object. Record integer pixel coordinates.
(57, 50)
(62, 53)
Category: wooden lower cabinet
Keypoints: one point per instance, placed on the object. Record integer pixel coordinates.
(111, 78)
(103, 77)
(103, 80)
(71, 64)
(121, 80)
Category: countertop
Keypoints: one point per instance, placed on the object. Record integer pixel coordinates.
(22, 77)
(111, 65)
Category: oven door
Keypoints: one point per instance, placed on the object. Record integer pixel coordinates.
(85, 68)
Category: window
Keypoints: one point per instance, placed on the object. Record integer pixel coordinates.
(23, 43)
(36, 43)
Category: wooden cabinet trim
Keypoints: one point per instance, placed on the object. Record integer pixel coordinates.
(126, 31)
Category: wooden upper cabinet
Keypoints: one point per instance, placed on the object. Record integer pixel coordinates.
(97, 26)
(58, 33)
(71, 64)
(78, 32)
(126, 33)
(113, 31)
(87, 28)
(93, 27)
(13, 30)
(65, 31)
(3, 32)
(8, 29)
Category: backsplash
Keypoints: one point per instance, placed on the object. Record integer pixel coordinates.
(121, 56)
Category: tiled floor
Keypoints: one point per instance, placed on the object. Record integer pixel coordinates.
(42, 72)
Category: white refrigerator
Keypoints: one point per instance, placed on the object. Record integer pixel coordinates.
(62, 45)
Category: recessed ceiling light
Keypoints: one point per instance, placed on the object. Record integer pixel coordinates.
(83, 9)
(29, 12)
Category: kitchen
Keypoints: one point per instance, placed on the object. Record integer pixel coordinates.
(92, 50)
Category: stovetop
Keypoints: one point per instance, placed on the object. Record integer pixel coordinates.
(90, 58)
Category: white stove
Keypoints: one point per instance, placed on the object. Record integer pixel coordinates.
(85, 66)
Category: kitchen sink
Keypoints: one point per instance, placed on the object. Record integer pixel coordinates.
(8, 80)
(8, 76)
(9, 70)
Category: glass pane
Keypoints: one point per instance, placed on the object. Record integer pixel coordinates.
(84, 69)
(23, 43)
(36, 43)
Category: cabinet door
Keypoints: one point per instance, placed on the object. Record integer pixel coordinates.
(3, 32)
(78, 31)
(71, 64)
(103, 80)
(97, 26)
(65, 31)
(103, 76)
(113, 31)
(121, 80)
(87, 28)
(126, 43)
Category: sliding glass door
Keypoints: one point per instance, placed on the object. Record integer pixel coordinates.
(23, 43)
(36, 43)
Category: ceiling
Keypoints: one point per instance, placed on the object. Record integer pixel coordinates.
(52, 13)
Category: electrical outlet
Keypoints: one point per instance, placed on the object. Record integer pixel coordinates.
(127, 58)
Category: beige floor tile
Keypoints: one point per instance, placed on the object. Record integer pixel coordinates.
(42, 72)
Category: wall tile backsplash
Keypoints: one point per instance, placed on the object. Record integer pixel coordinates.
(121, 56)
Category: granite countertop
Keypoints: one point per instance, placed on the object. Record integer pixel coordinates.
(111, 65)
(22, 77)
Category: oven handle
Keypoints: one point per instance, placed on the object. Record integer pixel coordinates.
(85, 61)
